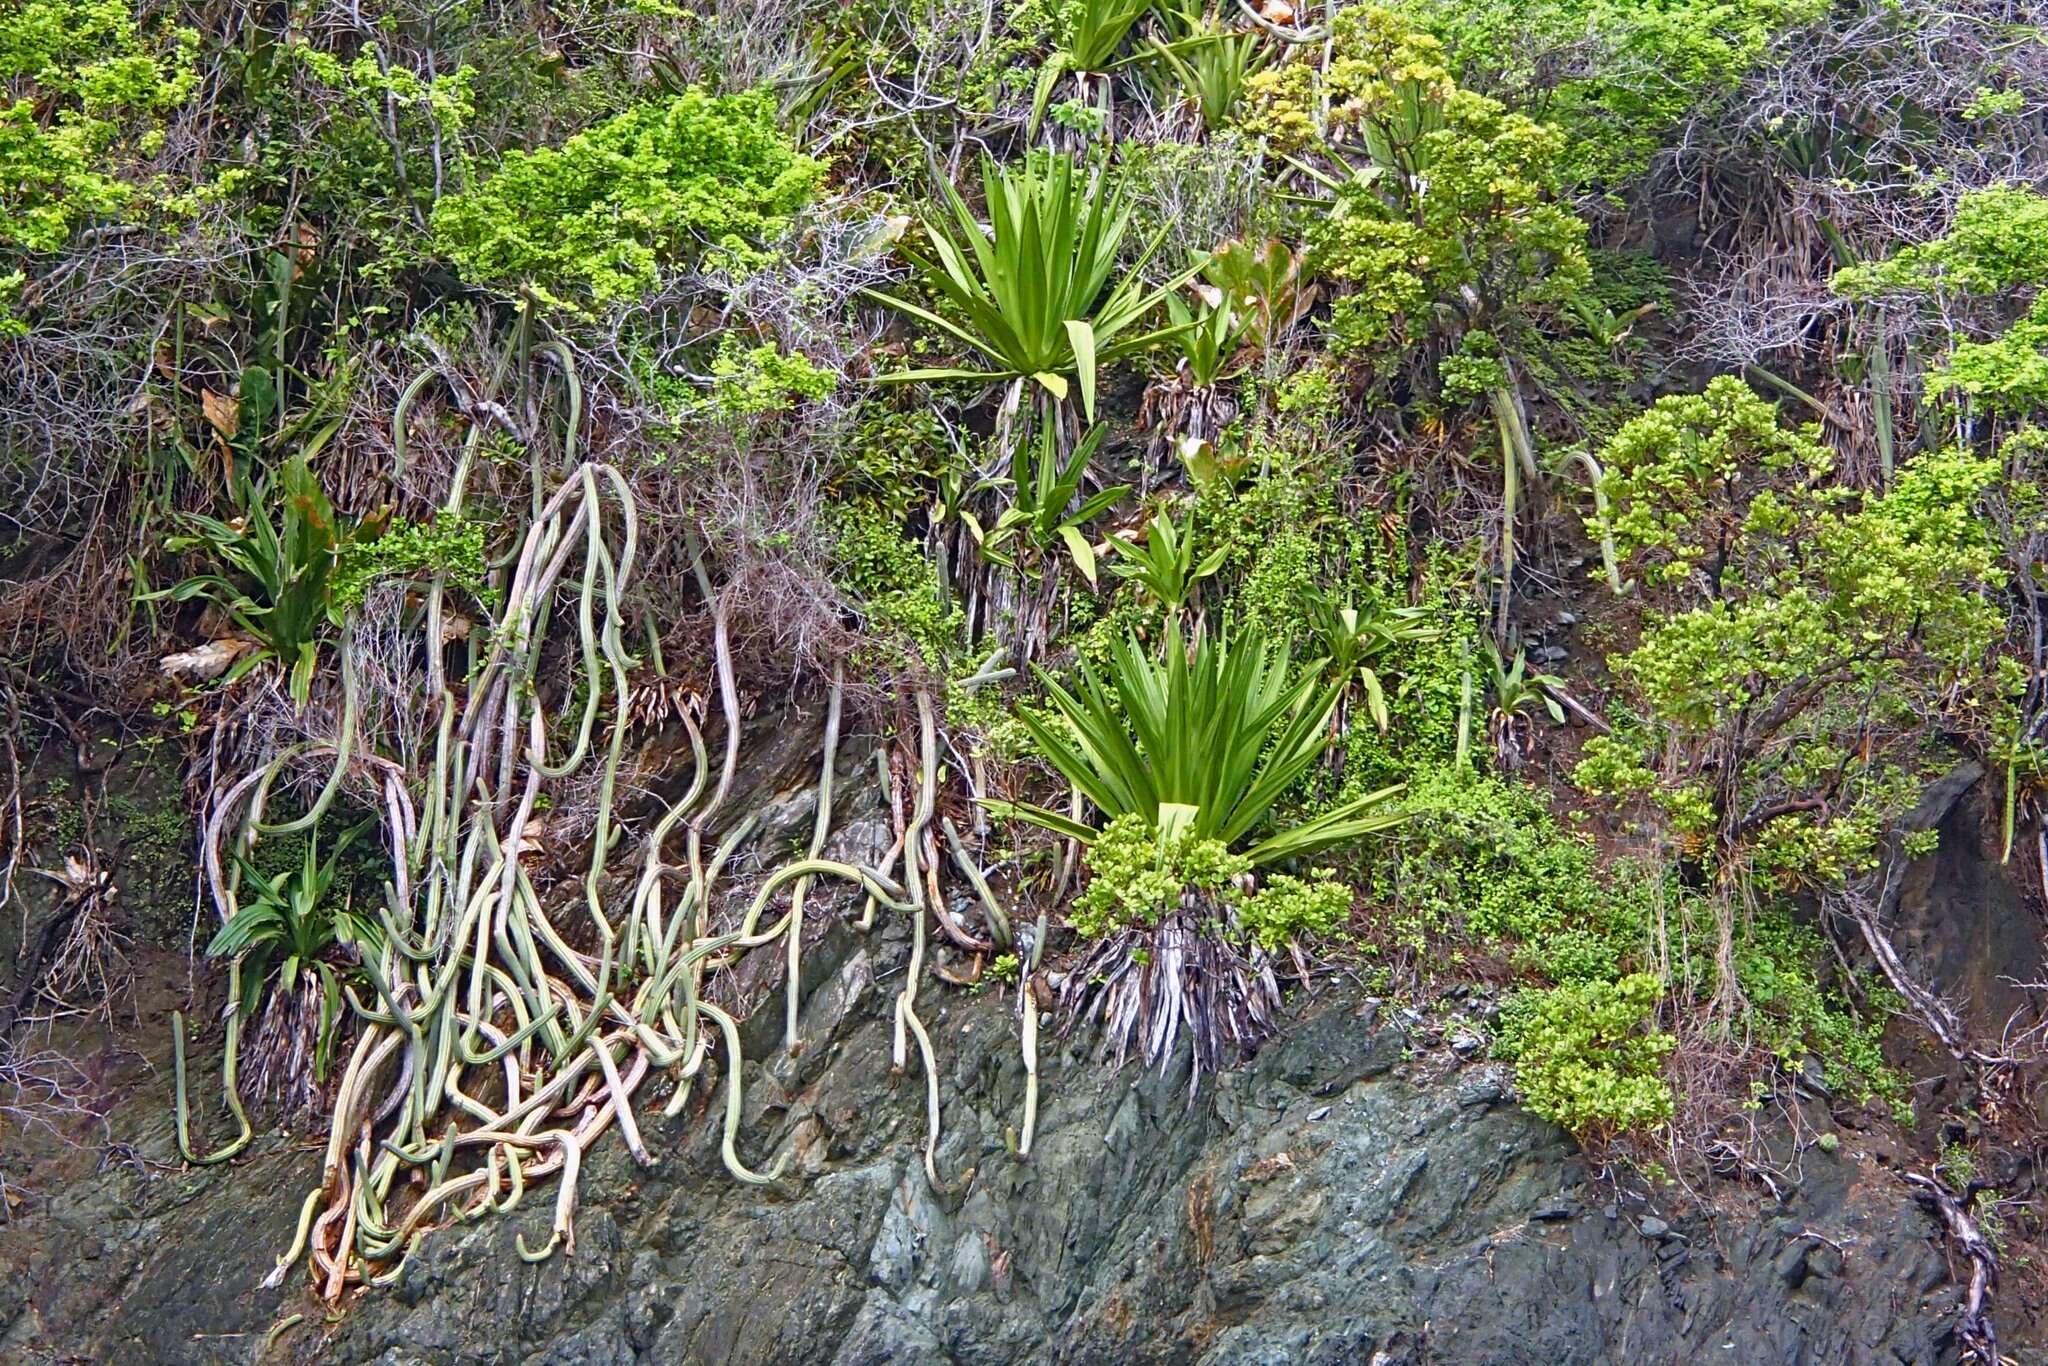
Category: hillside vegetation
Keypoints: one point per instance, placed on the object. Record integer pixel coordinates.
(1495, 497)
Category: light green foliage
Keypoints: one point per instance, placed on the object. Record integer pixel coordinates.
(1778, 965)
(1214, 736)
(2009, 373)
(1585, 1057)
(1479, 214)
(1680, 478)
(895, 586)
(1287, 908)
(1997, 245)
(1474, 370)
(597, 219)
(1998, 242)
(448, 545)
(1808, 666)
(763, 380)
(1459, 208)
(1033, 292)
(1479, 859)
(85, 86)
(1137, 873)
(1614, 76)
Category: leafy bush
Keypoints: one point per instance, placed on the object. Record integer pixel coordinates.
(1681, 477)
(1996, 246)
(1778, 965)
(449, 545)
(1793, 681)
(84, 88)
(1482, 859)
(655, 187)
(897, 589)
(1460, 211)
(761, 380)
(1137, 873)
(1584, 1059)
(1285, 908)
(1615, 78)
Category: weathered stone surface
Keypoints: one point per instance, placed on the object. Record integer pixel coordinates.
(1315, 1206)
(1360, 1192)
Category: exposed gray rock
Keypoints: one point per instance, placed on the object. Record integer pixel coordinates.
(1313, 1206)
(1335, 1200)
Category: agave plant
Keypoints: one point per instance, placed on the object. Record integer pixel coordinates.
(1095, 29)
(276, 581)
(1198, 749)
(1043, 512)
(1357, 639)
(1164, 563)
(1037, 294)
(287, 938)
(1212, 61)
(1188, 404)
(1205, 743)
(1090, 33)
(1516, 692)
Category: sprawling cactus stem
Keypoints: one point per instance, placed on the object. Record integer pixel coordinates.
(473, 971)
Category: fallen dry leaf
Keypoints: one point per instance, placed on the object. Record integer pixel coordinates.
(205, 663)
(222, 412)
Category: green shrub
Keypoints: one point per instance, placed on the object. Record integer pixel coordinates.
(84, 88)
(1779, 965)
(450, 545)
(1680, 478)
(1484, 859)
(1584, 1058)
(1136, 874)
(1462, 213)
(655, 187)
(762, 380)
(896, 587)
(1288, 908)
(1614, 77)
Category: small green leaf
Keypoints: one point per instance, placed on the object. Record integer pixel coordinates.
(1083, 553)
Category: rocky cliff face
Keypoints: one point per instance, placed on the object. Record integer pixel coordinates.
(1360, 1192)
(1337, 1200)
